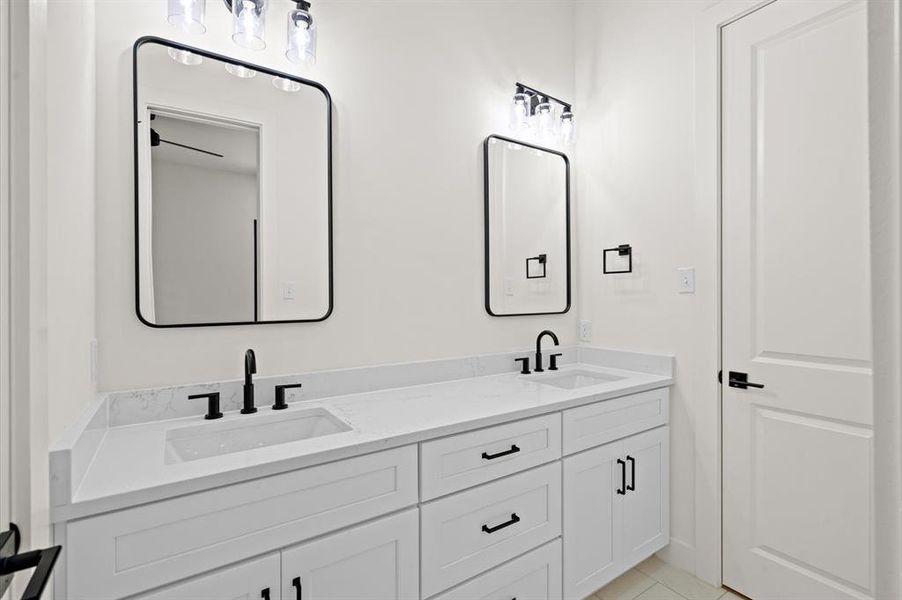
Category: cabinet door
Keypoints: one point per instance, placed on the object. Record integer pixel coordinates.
(646, 505)
(592, 519)
(256, 579)
(376, 561)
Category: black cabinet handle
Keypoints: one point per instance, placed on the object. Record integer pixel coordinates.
(514, 449)
(622, 489)
(296, 582)
(741, 381)
(514, 519)
(632, 485)
(265, 594)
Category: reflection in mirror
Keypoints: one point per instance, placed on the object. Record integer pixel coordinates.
(527, 210)
(233, 191)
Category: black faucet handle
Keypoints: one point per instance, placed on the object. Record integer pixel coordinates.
(553, 358)
(213, 411)
(280, 395)
(524, 361)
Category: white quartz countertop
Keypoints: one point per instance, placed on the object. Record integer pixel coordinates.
(128, 467)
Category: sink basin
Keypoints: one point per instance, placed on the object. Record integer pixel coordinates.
(215, 439)
(572, 380)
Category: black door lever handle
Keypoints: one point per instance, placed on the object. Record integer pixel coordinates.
(741, 381)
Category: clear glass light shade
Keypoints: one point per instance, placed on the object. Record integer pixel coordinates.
(285, 84)
(248, 23)
(187, 15)
(301, 38)
(545, 120)
(519, 117)
(568, 128)
(240, 71)
(184, 57)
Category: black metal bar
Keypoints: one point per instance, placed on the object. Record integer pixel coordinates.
(526, 88)
(632, 484)
(265, 594)
(296, 582)
(191, 148)
(622, 489)
(256, 275)
(514, 519)
(514, 449)
(41, 560)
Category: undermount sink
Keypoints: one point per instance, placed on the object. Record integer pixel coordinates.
(215, 439)
(572, 380)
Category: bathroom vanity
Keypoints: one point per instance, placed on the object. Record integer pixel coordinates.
(481, 483)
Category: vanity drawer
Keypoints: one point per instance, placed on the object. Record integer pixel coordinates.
(472, 531)
(533, 576)
(461, 461)
(132, 550)
(596, 424)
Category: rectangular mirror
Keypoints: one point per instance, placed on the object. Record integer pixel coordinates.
(233, 191)
(527, 229)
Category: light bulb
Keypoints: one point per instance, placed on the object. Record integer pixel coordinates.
(545, 119)
(301, 44)
(184, 57)
(248, 20)
(568, 128)
(285, 84)
(520, 111)
(240, 71)
(187, 15)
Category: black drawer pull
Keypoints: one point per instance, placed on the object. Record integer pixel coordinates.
(265, 594)
(296, 582)
(632, 485)
(622, 489)
(514, 519)
(514, 449)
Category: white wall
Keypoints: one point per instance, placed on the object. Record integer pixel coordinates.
(635, 177)
(417, 86)
(203, 251)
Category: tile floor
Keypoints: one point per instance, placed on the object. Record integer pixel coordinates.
(656, 580)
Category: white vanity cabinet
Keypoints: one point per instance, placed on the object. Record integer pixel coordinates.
(375, 561)
(548, 507)
(617, 509)
(256, 579)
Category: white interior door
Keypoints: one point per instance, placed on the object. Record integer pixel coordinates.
(797, 454)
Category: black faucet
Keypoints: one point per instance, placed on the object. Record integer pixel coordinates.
(250, 368)
(548, 332)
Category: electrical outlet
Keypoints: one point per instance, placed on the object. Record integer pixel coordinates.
(686, 281)
(585, 331)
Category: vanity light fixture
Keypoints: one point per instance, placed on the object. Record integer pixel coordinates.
(285, 84)
(534, 109)
(248, 23)
(301, 44)
(240, 71)
(187, 15)
(185, 57)
(249, 26)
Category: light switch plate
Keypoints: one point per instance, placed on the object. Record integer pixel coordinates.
(585, 331)
(686, 281)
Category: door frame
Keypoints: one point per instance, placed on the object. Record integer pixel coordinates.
(884, 34)
(5, 291)
(708, 419)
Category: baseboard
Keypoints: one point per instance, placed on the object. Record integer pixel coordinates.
(679, 554)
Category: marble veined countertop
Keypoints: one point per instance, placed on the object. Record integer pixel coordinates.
(126, 466)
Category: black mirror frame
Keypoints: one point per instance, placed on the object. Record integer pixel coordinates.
(211, 55)
(486, 187)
